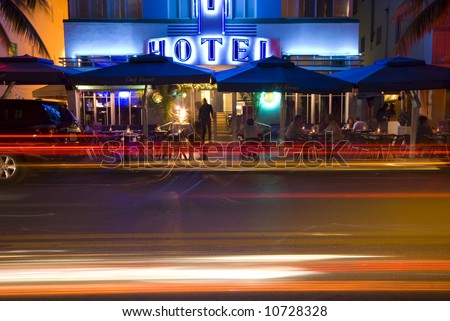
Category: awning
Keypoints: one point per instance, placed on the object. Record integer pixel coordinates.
(51, 92)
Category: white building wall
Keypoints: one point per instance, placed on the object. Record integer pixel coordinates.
(314, 38)
(109, 38)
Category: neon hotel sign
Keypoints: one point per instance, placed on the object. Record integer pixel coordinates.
(212, 46)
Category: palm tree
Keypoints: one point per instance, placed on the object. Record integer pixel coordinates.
(13, 18)
(425, 15)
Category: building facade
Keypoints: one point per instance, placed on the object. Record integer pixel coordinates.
(13, 44)
(217, 34)
(377, 40)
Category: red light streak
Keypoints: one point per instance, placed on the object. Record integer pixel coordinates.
(34, 282)
(319, 195)
(123, 288)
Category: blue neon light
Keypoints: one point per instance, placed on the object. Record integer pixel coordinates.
(214, 49)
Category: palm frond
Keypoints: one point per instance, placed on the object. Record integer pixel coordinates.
(34, 4)
(17, 21)
(424, 22)
(408, 9)
(4, 34)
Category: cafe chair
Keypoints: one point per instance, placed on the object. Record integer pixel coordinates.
(357, 147)
(426, 147)
(397, 148)
(380, 145)
(250, 149)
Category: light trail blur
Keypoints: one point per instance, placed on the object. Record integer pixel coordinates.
(131, 233)
(82, 152)
(171, 165)
(322, 195)
(62, 272)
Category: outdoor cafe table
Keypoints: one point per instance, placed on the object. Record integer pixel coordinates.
(158, 135)
(180, 127)
(378, 137)
(442, 137)
(314, 137)
(378, 143)
(118, 135)
(441, 141)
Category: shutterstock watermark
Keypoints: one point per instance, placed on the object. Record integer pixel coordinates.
(233, 154)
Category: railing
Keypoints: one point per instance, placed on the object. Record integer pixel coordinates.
(326, 63)
(266, 133)
(168, 125)
(92, 61)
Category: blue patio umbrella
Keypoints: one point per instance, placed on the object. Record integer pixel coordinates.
(145, 70)
(396, 74)
(277, 74)
(29, 70)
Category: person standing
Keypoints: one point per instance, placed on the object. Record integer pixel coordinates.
(383, 117)
(205, 114)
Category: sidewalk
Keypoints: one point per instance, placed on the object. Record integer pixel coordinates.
(219, 164)
(237, 156)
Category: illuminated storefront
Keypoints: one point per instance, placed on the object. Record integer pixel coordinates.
(217, 34)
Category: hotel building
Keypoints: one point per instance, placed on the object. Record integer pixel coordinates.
(378, 38)
(217, 34)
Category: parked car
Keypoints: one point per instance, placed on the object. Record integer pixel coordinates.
(35, 131)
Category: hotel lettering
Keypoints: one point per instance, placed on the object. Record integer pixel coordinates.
(214, 50)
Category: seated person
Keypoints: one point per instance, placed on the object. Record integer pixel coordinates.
(333, 127)
(88, 128)
(250, 131)
(295, 129)
(349, 124)
(424, 130)
(359, 125)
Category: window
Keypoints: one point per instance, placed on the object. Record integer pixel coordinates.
(378, 35)
(316, 8)
(134, 9)
(324, 8)
(12, 113)
(298, 8)
(342, 8)
(79, 9)
(57, 113)
(290, 9)
(12, 49)
(180, 9)
(362, 44)
(244, 9)
(307, 8)
(398, 30)
(355, 7)
(53, 113)
(105, 9)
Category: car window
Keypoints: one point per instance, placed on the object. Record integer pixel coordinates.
(57, 113)
(11, 114)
